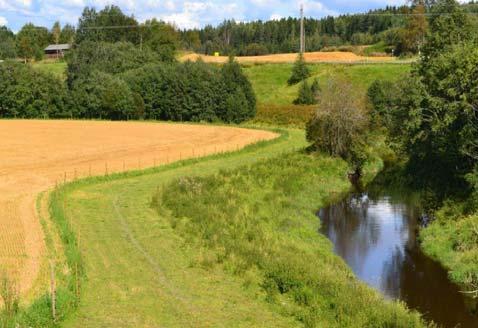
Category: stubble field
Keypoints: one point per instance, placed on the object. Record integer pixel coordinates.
(36, 155)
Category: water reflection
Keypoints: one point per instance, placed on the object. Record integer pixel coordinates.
(375, 233)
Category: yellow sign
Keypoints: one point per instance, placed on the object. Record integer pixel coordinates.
(216, 54)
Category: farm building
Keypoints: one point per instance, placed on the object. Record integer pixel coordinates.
(57, 50)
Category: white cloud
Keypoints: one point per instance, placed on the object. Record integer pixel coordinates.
(276, 17)
(3, 21)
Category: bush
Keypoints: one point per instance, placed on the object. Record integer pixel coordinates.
(106, 57)
(305, 96)
(103, 96)
(340, 122)
(300, 71)
(193, 92)
(236, 83)
(27, 93)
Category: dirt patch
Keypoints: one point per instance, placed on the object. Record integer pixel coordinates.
(311, 57)
(35, 155)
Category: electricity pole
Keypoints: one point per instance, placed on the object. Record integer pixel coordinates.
(302, 32)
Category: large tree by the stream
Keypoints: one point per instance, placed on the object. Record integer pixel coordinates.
(435, 113)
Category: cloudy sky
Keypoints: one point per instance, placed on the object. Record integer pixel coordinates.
(184, 13)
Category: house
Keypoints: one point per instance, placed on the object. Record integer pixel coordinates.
(57, 50)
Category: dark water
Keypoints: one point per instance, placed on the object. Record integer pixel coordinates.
(375, 233)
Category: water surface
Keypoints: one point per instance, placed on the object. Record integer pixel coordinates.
(375, 233)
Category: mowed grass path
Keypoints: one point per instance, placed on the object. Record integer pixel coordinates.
(139, 274)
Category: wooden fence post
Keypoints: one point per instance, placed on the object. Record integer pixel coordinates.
(53, 290)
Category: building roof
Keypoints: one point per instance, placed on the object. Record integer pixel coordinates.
(58, 47)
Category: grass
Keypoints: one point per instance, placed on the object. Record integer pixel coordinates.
(141, 269)
(453, 241)
(57, 68)
(284, 115)
(257, 223)
(270, 80)
(138, 274)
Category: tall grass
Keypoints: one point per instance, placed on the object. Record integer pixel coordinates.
(68, 279)
(257, 222)
(284, 115)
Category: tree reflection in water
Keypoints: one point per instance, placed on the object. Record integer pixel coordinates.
(375, 233)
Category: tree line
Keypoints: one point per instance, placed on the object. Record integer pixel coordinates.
(400, 29)
(107, 25)
(397, 29)
(121, 74)
(118, 81)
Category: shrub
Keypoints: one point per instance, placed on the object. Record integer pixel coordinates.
(300, 71)
(236, 83)
(193, 92)
(27, 93)
(106, 57)
(305, 96)
(340, 123)
(103, 95)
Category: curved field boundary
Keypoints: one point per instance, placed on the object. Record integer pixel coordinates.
(36, 155)
(122, 279)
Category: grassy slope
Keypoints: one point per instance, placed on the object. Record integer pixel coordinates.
(270, 80)
(142, 273)
(454, 242)
(258, 222)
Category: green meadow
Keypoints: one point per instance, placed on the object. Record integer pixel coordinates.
(226, 241)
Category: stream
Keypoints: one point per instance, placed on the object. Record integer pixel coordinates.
(375, 232)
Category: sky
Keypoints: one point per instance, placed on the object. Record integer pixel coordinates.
(183, 13)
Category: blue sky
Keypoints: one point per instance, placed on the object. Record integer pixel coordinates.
(183, 13)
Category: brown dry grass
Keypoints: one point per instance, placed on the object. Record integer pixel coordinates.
(310, 57)
(35, 155)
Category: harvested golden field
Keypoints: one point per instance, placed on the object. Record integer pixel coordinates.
(35, 155)
(310, 57)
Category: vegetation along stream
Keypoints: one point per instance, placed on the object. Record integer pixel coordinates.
(375, 232)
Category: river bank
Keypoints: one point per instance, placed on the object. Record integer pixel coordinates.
(376, 232)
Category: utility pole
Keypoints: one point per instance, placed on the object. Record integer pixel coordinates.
(302, 32)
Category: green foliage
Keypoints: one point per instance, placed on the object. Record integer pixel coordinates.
(31, 41)
(193, 92)
(339, 125)
(306, 96)
(279, 36)
(91, 21)
(454, 241)
(382, 95)
(68, 34)
(255, 49)
(237, 84)
(110, 58)
(104, 96)
(446, 30)
(7, 44)
(157, 36)
(259, 218)
(161, 38)
(432, 114)
(300, 71)
(27, 93)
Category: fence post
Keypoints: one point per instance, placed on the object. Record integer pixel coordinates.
(53, 290)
